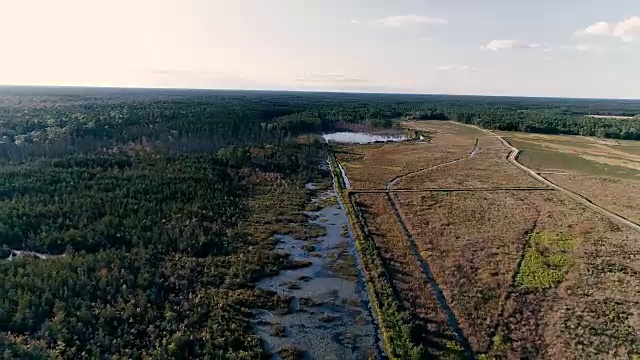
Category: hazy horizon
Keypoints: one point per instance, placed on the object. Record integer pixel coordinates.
(586, 49)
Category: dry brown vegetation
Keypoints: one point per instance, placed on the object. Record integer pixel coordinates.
(621, 196)
(474, 241)
(606, 173)
(406, 276)
(444, 128)
(488, 167)
(528, 274)
(372, 166)
(472, 157)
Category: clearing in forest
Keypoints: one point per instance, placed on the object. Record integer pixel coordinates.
(510, 273)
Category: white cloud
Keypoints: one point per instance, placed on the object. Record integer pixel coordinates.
(455, 67)
(426, 39)
(599, 28)
(511, 44)
(354, 21)
(627, 30)
(404, 21)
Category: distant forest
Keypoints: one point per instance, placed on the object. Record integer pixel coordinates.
(58, 121)
(157, 208)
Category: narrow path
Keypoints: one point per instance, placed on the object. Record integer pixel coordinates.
(512, 158)
(374, 191)
(472, 154)
(452, 321)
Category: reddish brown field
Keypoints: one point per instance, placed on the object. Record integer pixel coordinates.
(605, 172)
(372, 166)
(621, 196)
(487, 167)
(407, 278)
(474, 242)
(527, 274)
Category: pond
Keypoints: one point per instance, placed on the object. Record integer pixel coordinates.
(361, 137)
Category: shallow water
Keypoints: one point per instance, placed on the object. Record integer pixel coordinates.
(345, 179)
(360, 137)
(338, 323)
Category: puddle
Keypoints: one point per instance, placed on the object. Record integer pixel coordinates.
(360, 137)
(330, 316)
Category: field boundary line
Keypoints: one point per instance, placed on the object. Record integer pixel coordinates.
(452, 321)
(380, 191)
(471, 155)
(450, 316)
(512, 158)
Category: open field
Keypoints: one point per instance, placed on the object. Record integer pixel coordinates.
(526, 274)
(608, 175)
(413, 292)
(444, 128)
(472, 241)
(621, 196)
(577, 154)
(512, 302)
(372, 166)
(485, 167)
(466, 158)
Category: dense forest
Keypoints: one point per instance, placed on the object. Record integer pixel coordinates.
(145, 216)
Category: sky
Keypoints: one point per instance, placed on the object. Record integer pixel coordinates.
(567, 48)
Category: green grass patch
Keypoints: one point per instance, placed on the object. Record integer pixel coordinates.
(547, 260)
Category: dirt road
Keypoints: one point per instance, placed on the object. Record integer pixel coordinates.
(513, 159)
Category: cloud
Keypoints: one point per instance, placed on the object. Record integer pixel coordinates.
(627, 30)
(354, 21)
(405, 21)
(511, 44)
(330, 78)
(426, 39)
(455, 67)
(599, 28)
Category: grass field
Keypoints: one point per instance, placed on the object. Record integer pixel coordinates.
(476, 160)
(527, 274)
(372, 166)
(607, 174)
(516, 266)
(473, 242)
(430, 329)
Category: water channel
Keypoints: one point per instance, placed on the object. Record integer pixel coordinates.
(330, 316)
